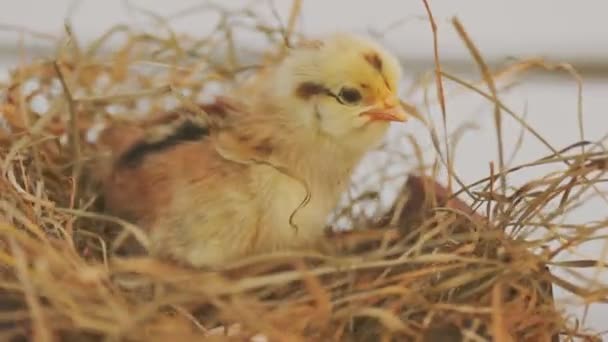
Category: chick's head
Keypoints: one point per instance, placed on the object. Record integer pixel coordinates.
(343, 86)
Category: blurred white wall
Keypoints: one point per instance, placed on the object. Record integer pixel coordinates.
(568, 31)
(562, 29)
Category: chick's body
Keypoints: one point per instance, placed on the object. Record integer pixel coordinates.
(230, 191)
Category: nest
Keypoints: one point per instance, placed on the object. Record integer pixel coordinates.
(430, 268)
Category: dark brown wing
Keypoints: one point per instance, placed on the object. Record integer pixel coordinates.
(137, 175)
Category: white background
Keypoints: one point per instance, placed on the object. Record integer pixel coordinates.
(565, 31)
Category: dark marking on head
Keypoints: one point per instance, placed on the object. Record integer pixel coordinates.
(375, 61)
(364, 85)
(308, 89)
(188, 131)
(264, 147)
(388, 86)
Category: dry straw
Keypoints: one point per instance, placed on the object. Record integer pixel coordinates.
(430, 269)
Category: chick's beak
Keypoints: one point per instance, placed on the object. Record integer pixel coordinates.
(386, 113)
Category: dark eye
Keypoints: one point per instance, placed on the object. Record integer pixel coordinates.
(349, 95)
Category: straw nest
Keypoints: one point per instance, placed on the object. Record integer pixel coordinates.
(428, 269)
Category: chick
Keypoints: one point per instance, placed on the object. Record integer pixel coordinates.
(269, 175)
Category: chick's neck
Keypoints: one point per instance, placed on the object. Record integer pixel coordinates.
(274, 136)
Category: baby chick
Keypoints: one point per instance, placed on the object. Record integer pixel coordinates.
(267, 176)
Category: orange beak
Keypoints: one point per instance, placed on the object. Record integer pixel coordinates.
(395, 113)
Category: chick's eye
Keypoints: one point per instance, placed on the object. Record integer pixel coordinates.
(349, 95)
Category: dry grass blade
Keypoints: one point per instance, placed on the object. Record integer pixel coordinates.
(74, 134)
(440, 91)
(41, 332)
(487, 75)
